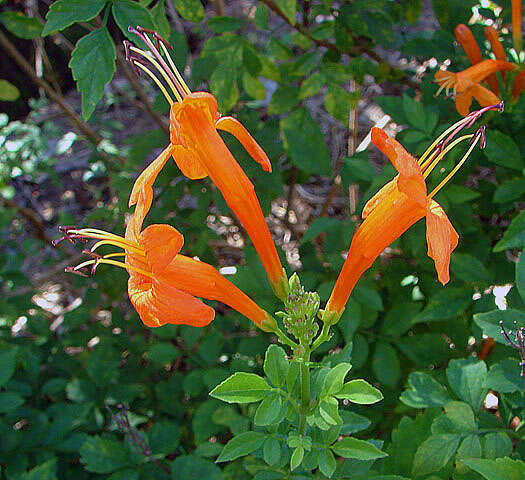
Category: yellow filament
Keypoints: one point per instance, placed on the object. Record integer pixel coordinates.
(154, 62)
(441, 137)
(455, 169)
(114, 239)
(116, 264)
(135, 250)
(157, 81)
(175, 69)
(428, 168)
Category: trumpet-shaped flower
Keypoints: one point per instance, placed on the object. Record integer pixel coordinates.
(517, 38)
(398, 205)
(466, 84)
(162, 283)
(199, 150)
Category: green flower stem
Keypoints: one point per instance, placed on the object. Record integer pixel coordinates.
(305, 392)
(323, 336)
(284, 339)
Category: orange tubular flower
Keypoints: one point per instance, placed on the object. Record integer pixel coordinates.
(492, 36)
(398, 205)
(199, 150)
(519, 85)
(162, 283)
(468, 42)
(517, 38)
(466, 84)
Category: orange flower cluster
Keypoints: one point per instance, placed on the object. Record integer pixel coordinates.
(165, 286)
(467, 83)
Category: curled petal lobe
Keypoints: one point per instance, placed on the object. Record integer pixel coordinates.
(484, 96)
(442, 239)
(159, 303)
(161, 243)
(468, 42)
(236, 128)
(148, 176)
(188, 162)
(463, 103)
(410, 180)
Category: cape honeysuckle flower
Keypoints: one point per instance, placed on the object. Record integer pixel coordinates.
(519, 85)
(517, 38)
(162, 283)
(199, 150)
(401, 203)
(466, 84)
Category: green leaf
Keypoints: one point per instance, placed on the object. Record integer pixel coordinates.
(304, 143)
(311, 85)
(8, 92)
(191, 466)
(353, 422)
(458, 418)
(44, 471)
(447, 303)
(357, 168)
(288, 8)
(385, 364)
(469, 269)
(333, 381)
(9, 401)
(509, 191)
(359, 391)
(253, 86)
(7, 360)
(283, 100)
(164, 437)
(129, 13)
(276, 365)
(191, 10)
(350, 447)
(223, 84)
(434, 453)
(414, 112)
(329, 410)
(93, 66)
(271, 451)
(460, 194)
(496, 445)
(489, 322)
(514, 236)
(162, 353)
(338, 102)
(225, 24)
(470, 447)
(326, 462)
(102, 455)
(269, 410)
(241, 387)
(424, 392)
(21, 26)
(520, 275)
(158, 15)
(318, 226)
(467, 379)
(499, 469)
(296, 458)
(241, 445)
(502, 150)
(505, 376)
(64, 13)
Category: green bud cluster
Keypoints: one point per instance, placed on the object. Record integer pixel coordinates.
(300, 312)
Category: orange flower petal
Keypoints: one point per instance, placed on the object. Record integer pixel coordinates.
(442, 239)
(236, 128)
(410, 180)
(519, 85)
(379, 197)
(160, 243)
(188, 162)
(463, 103)
(484, 96)
(159, 303)
(149, 174)
(468, 42)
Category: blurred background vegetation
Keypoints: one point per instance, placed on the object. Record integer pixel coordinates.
(87, 392)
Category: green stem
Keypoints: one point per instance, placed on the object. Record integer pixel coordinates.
(323, 336)
(305, 392)
(284, 339)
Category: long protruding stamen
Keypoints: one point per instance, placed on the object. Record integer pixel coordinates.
(428, 167)
(479, 136)
(136, 62)
(107, 261)
(141, 33)
(151, 59)
(175, 69)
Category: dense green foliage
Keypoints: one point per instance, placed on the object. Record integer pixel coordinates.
(71, 376)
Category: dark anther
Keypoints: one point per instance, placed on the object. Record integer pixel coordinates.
(67, 236)
(480, 133)
(126, 49)
(77, 272)
(501, 106)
